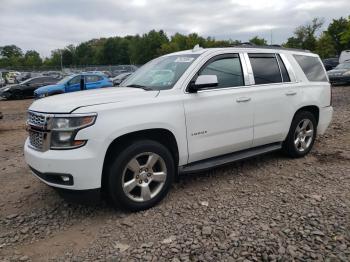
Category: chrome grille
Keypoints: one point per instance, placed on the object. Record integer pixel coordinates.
(36, 119)
(36, 139)
(37, 124)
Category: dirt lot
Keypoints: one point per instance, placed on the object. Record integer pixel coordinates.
(270, 208)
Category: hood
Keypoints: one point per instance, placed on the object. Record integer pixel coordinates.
(66, 103)
(48, 89)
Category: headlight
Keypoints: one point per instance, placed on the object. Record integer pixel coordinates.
(346, 73)
(6, 89)
(64, 129)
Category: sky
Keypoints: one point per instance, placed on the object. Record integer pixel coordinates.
(45, 25)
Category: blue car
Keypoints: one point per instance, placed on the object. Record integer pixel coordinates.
(73, 83)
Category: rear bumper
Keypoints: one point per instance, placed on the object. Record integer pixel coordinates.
(326, 114)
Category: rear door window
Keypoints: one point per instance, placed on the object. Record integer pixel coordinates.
(312, 68)
(265, 68)
(92, 78)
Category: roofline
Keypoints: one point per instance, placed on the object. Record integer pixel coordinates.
(277, 47)
(242, 47)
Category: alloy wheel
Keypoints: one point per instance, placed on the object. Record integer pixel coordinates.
(303, 135)
(144, 176)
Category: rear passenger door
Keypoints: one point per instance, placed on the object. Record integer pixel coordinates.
(92, 81)
(275, 97)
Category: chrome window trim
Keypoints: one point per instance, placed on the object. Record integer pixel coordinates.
(244, 73)
(287, 64)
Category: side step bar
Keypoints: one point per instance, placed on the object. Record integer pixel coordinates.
(206, 164)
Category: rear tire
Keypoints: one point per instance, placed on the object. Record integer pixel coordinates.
(301, 136)
(141, 175)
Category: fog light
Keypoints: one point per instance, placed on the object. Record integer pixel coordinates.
(65, 178)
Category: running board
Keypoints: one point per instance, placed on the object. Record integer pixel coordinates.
(206, 164)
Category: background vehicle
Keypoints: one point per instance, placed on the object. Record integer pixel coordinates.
(73, 83)
(344, 56)
(11, 77)
(2, 80)
(26, 88)
(120, 78)
(340, 74)
(330, 63)
(183, 112)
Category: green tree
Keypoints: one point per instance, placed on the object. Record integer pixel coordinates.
(84, 54)
(146, 47)
(325, 46)
(11, 51)
(304, 36)
(115, 51)
(32, 59)
(258, 41)
(336, 30)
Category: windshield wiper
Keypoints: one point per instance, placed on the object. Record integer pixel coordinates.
(140, 86)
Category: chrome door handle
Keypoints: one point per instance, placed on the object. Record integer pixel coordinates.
(291, 93)
(243, 99)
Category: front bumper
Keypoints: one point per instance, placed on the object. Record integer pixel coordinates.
(325, 118)
(84, 165)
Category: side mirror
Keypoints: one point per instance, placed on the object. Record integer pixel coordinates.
(203, 81)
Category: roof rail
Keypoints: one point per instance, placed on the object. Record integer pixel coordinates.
(250, 45)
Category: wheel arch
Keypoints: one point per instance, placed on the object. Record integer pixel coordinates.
(161, 135)
(315, 110)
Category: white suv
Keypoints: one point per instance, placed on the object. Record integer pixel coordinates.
(180, 113)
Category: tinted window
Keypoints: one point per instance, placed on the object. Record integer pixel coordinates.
(228, 70)
(265, 68)
(312, 68)
(284, 72)
(36, 80)
(92, 78)
(75, 80)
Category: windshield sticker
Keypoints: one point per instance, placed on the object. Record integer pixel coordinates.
(184, 59)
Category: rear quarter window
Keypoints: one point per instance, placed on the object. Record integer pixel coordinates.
(312, 68)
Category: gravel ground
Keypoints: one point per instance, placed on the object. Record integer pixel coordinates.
(269, 208)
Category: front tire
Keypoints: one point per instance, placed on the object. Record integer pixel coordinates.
(301, 136)
(17, 95)
(141, 175)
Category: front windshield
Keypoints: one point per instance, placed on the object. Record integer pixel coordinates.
(343, 66)
(161, 73)
(65, 80)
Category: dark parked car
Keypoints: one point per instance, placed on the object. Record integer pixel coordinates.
(330, 63)
(340, 74)
(120, 78)
(26, 88)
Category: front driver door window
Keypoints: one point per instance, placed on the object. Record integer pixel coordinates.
(73, 84)
(227, 69)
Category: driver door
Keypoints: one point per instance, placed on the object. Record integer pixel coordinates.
(73, 84)
(219, 120)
